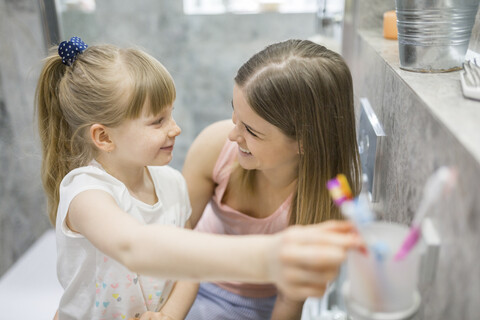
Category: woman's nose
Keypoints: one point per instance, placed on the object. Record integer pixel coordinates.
(234, 134)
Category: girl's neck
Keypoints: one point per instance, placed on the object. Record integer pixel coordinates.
(135, 179)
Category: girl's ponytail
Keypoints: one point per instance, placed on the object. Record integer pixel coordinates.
(79, 87)
(54, 131)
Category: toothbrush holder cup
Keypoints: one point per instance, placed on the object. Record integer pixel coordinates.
(378, 286)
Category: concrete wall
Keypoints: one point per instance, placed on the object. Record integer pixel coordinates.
(22, 206)
(428, 124)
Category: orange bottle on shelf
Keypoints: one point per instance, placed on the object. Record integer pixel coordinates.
(390, 25)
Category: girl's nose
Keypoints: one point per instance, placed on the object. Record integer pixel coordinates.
(174, 130)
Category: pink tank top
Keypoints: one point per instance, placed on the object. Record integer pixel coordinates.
(221, 219)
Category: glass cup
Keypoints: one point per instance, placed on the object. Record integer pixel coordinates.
(376, 282)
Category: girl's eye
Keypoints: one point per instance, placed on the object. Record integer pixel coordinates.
(159, 121)
(250, 131)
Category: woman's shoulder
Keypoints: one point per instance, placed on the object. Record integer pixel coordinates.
(215, 134)
(206, 148)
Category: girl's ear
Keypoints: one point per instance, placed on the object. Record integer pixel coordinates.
(100, 137)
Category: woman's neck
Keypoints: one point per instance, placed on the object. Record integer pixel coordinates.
(281, 182)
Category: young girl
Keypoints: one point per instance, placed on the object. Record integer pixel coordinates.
(293, 129)
(107, 132)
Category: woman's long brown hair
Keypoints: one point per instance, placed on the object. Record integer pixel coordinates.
(306, 91)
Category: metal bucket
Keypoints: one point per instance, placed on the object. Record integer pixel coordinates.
(433, 35)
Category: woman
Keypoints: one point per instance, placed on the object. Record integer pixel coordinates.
(293, 129)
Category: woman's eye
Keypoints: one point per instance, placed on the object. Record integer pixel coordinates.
(250, 131)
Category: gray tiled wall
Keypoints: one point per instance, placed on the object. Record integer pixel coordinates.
(22, 217)
(418, 141)
(201, 52)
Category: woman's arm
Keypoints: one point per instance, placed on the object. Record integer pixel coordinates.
(287, 309)
(181, 298)
(199, 164)
(180, 301)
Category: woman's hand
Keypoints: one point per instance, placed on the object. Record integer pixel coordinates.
(306, 258)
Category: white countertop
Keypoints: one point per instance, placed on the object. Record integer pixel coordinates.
(30, 289)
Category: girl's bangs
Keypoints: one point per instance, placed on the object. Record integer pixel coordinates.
(151, 83)
(159, 90)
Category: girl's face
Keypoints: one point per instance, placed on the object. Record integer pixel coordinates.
(261, 145)
(147, 140)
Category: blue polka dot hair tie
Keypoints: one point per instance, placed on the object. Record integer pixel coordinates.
(68, 50)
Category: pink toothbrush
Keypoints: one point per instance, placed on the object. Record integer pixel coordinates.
(439, 183)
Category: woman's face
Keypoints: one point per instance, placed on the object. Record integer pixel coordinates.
(261, 145)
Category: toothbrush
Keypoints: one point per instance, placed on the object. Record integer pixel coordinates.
(356, 209)
(440, 182)
(339, 189)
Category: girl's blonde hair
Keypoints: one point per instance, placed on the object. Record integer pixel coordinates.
(306, 91)
(105, 85)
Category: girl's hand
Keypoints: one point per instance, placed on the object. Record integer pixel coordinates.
(306, 258)
(149, 315)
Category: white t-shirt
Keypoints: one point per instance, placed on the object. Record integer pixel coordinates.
(96, 286)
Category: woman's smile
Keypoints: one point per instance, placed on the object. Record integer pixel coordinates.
(244, 151)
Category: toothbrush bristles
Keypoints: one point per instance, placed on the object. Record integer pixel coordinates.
(339, 189)
(344, 186)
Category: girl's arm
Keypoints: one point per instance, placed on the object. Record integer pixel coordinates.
(199, 163)
(164, 250)
(300, 260)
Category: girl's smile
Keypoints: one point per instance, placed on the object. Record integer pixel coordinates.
(147, 140)
(168, 149)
